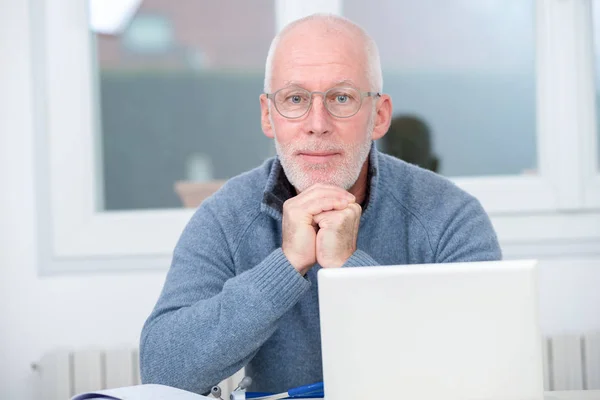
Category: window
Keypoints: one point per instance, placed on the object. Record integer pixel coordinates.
(148, 33)
(596, 44)
(466, 69)
(152, 108)
(177, 88)
(593, 144)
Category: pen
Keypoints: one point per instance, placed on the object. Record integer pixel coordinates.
(314, 390)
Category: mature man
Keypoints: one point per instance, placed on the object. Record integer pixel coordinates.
(242, 287)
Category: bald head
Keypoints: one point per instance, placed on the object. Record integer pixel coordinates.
(333, 37)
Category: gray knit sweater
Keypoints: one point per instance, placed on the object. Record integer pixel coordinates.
(231, 298)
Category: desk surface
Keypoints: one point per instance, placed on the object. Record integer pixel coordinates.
(569, 395)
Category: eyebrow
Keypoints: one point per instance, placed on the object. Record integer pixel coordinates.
(338, 83)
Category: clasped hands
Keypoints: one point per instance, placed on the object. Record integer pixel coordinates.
(320, 225)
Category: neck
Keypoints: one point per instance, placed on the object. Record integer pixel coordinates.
(359, 189)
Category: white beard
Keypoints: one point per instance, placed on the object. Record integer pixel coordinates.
(342, 173)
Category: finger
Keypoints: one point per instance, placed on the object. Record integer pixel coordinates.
(328, 199)
(332, 219)
(318, 186)
(321, 199)
(336, 216)
(316, 192)
(321, 205)
(320, 190)
(358, 212)
(356, 208)
(326, 214)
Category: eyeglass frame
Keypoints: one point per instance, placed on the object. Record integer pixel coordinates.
(271, 96)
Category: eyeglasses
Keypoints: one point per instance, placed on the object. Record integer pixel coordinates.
(342, 102)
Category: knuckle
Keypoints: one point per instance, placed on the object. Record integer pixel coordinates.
(289, 205)
(354, 210)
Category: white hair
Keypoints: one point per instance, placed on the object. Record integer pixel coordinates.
(374, 74)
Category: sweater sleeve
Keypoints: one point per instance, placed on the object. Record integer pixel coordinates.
(360, 259)
(468, 235)
(208, 322)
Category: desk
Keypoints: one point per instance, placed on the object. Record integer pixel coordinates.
(568, 395)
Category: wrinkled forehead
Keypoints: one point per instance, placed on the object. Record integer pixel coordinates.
(320, 60)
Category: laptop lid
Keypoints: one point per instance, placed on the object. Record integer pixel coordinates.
(463, 331)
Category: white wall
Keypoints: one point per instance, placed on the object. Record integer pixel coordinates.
(38, 314)
(570, 296)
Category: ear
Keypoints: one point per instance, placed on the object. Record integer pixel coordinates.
(383, 117)
(264, 116)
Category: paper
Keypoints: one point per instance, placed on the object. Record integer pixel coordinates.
(141, 392)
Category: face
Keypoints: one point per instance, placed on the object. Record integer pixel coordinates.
(319, 147)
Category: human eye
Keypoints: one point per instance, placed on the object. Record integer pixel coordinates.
(342, 96)
(294, 97)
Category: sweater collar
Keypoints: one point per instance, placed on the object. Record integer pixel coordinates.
(279, 189)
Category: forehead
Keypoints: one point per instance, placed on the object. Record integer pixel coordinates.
(319, 61)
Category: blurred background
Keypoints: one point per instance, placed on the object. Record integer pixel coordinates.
(170, 82)
(118, 117)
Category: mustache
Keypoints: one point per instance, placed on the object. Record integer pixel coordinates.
(314, 147)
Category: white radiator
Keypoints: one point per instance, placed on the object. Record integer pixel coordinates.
(65, 373)
(570, 363)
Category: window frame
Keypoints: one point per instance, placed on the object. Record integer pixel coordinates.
(590, 146)
(532, 214)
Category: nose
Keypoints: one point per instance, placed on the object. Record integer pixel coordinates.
(318, 118)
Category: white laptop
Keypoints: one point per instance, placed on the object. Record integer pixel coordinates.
(463, 331)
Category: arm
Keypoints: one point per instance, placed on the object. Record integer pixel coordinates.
(359, 259)
(468, 235)
(208, 322)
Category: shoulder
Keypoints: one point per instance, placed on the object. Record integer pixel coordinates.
(237, 203)
(455, 223)
(420, 191)
(243, 191)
